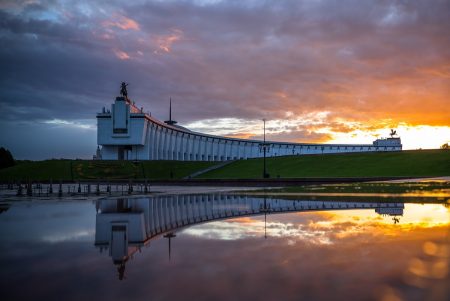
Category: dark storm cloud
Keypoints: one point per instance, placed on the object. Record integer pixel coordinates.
(357, 59)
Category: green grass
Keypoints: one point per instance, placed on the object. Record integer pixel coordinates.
(407, 163)
(179, 169)
(91, 170)
(37, 170)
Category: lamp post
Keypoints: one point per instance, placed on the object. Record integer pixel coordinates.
(265, 209)
(264, 147)
(169, 236)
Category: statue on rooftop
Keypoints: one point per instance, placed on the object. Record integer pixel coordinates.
(393, 133)
(123, 89)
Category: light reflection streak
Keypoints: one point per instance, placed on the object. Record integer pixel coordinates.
(223, 230)
(57, 238)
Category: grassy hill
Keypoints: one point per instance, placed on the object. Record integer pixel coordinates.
(406, 163)
(37, 170)
(91, 170)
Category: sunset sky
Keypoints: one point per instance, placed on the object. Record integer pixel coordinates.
(320, 71)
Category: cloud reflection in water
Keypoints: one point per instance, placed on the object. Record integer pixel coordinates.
(333, 255)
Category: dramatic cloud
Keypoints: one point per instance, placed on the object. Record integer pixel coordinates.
(373, 64)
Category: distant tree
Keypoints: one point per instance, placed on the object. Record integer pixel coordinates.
(6, 159)
(445, 146)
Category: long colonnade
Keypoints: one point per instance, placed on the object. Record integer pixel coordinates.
(127, 133)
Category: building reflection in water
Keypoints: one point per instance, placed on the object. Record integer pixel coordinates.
(123, 226)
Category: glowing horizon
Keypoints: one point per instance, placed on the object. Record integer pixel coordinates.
(412, 136)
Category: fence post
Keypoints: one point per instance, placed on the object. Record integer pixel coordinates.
(60, 192)
(29, 189)
(19, 190)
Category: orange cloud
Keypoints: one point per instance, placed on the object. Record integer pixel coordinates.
(121, 22)
(165, 42)
(242, 220)
(240, 135)
(121, 54)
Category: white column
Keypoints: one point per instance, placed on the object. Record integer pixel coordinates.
(170, 148)
(184, 146)
(158, 142)
(164, 144)
(190, 147)
(150, 141)
(224, 149)
(177, 146)
(209, 147)
(198, 149)
(213, 149)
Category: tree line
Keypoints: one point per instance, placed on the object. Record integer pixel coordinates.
(6, 158)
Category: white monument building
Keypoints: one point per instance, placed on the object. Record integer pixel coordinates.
(127, 133)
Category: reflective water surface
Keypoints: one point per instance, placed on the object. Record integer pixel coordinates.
(224, 247)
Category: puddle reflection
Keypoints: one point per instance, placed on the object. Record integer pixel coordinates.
(225, 247)
(124, 226)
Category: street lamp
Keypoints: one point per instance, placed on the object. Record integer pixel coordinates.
(169, 236)
(264, 147)
(265, 209)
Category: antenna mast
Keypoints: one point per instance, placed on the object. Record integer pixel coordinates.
(170, 121)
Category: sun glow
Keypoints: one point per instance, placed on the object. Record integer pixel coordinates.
(318, 127)
(415, 216)
(413, 137)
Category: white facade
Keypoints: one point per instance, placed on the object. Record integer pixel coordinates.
(127, 133)
(149, 217)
